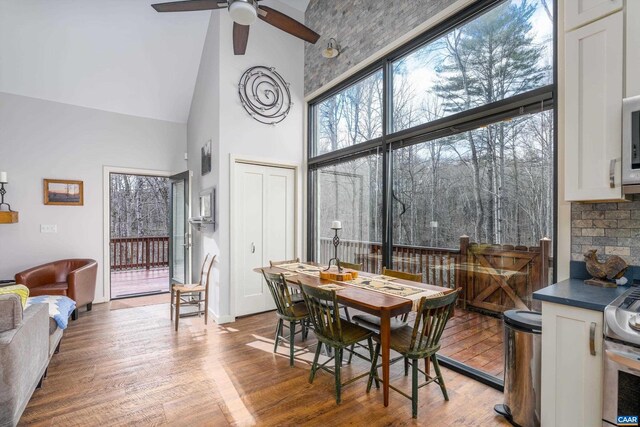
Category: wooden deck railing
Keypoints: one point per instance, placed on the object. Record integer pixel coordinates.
(494, 277)
(129, 253)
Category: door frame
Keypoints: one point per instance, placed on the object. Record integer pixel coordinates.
(233, 161)
(106, 228)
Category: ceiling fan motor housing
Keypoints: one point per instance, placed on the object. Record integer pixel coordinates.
(243, 12)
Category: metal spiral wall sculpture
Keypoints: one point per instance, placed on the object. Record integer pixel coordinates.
(265, 95)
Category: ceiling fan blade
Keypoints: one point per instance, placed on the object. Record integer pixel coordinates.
(189, 5)
(287, 24)
(240, 38)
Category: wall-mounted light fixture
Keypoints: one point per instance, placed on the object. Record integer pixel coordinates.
(332, 50)
(6, 216)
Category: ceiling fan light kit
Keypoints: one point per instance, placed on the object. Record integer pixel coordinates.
(243, 12)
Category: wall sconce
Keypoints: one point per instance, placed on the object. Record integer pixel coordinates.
(8, 216)
(332, 50)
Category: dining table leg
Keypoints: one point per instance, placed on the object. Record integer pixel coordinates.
(385, 338)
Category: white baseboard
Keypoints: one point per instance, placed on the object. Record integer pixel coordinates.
(221, 319)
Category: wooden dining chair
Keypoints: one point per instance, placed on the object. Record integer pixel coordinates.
(422, 341)
(357, 267)
(296, 294)
(335, 333)
(372, 322)
(288, 311)
(187, 295)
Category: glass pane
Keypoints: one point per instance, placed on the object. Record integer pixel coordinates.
(350, 192)
(503, 52)
(350, 117)
(179, 232)
(495, 185)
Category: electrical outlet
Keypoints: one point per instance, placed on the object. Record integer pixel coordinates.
(48, 228)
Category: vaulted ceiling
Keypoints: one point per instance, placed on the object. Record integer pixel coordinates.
(113, 55)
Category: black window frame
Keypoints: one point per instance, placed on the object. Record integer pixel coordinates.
(536, 100)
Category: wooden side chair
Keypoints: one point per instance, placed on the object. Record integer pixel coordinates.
(182, 295)
(422, 341)
(296, 294)
(333, 332)
(288, 311)
(372, 322)
(351, 266)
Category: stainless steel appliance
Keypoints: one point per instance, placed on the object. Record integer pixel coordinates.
(630, 146)
(622, 359)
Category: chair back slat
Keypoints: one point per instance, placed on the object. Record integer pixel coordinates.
(323, 309)
(402, 275)
(351, 266)
(279, 289)
(289, 261)
(205, 272)
(431, 319)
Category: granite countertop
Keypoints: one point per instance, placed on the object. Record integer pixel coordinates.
(574, 292)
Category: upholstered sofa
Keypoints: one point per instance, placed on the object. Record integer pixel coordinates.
(74, 278)
(28, 339)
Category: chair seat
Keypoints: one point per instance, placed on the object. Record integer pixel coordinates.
(58, 288)
(372, 322)
(401, 342)
(189, 288)
(299, 311)
(351, 334)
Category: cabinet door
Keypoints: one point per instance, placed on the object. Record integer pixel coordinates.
(593, 110)
(633, 52)
(571, 373)
(580, 12)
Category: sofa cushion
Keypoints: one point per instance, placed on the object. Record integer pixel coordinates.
(58, 288)
(10, 312)
(20, 290)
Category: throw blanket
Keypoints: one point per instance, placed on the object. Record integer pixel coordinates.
(21, 290)
(60, 307)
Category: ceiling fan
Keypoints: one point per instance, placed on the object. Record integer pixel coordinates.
(244, 13)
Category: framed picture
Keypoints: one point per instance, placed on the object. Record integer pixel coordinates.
(63, 192)
(208, 205)
(205, 158)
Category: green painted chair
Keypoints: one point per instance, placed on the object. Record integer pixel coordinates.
(333, 332)
(422, 341)
(296, 294)
(288, 311)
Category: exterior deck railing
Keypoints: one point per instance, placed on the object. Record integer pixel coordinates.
(130, 253)
(494, 278)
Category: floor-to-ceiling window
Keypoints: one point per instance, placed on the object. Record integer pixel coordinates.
(439, 159)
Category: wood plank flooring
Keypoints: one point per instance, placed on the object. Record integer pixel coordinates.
(128, 367)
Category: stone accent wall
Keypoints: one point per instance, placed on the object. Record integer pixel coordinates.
(362, 28)
(611, 228)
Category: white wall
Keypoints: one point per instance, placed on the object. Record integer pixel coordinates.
(216, 114)
(43, 139)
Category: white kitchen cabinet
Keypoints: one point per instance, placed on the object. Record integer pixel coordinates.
(580, 12)
(632, 12)
(572, 366)
(593, 92)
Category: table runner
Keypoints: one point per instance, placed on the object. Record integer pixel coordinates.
(378, 283)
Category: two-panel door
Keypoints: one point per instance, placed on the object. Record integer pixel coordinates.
(263, 230)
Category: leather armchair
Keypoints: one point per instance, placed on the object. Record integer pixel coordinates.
(75, 278)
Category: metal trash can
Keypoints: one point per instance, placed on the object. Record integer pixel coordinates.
(522, 354)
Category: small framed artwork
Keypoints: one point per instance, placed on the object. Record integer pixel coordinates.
(208, 205)
(205, 157)
(63, 192)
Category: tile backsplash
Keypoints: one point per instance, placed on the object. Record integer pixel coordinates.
(611, 228)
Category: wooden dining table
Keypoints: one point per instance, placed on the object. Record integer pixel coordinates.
(383, 305)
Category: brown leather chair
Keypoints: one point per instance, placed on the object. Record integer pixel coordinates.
(75, 278)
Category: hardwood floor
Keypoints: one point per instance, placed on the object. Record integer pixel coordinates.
(128, 367)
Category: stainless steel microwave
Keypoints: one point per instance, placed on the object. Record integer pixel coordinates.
(631, 145)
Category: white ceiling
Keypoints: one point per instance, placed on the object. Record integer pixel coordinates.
(114, 55)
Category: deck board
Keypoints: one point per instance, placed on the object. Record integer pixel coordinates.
(141, 281)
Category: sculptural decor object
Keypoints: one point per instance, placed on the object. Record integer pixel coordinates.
(608, 274)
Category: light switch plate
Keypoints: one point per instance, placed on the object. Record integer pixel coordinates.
(48, 228)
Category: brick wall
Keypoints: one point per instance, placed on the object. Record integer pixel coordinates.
(611, 228)
(362, 28)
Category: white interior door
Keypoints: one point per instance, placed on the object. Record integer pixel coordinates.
(264, 229)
